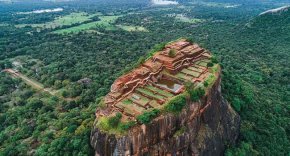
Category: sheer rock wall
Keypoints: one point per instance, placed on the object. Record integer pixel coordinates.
(202, 128)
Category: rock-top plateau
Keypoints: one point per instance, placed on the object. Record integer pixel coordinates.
(171, 104)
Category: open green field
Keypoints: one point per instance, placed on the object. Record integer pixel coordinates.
(215, 4)
(3, 25)
(183, 18)
(132, 28)
(105, 22)
(73, 18)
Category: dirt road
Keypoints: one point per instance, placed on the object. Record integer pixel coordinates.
(31, 82)
(36, 85)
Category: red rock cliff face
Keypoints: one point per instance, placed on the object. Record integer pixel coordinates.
(202, 128)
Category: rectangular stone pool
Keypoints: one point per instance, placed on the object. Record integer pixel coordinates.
(169, 85)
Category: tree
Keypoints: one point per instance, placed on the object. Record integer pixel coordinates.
(115, 120)
(80, 130)
(176, 104)
(65, 93)
(195, 93)
(210, 64)
(58, 84)
(146, 117)
(172, 53)
(214, 60)
(243, 149)
(34, 103)
(237, 104)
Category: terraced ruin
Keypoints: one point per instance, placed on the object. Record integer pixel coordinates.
(171, 104)
(156, 81)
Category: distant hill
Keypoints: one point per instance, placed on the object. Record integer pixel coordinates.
(276, 10)
(264, 44)
(273, 19)
(253, 1)
(241, 1)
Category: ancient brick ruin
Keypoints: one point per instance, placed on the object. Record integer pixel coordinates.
(157, 80)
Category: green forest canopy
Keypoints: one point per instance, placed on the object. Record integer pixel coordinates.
(252, 49)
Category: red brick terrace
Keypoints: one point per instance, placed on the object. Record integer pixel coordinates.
(157, 80)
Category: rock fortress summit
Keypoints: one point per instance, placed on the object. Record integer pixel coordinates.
(170, 105)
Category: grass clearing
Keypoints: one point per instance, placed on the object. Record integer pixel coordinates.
(131, 108)
(184, 77)
(132, 28)
(105, 22)
(215, 4)
(195, 69)
(137, 108)
(206, 60)
(127, 102)
(143, 101)
(159, 91)
(150, 94)
(204, 64)
(154, 104)
(3, 25)
(73, 18)
(185, 19)
(189, 72)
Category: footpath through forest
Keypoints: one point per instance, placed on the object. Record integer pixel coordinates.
(34, 84)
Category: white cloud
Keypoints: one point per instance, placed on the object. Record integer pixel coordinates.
(164, 2)
(42, 11)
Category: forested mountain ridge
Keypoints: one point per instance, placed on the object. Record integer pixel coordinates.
(267, 39)
(277, 19)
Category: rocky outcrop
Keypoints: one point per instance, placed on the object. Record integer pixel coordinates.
(202, 128)
(276, 10)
